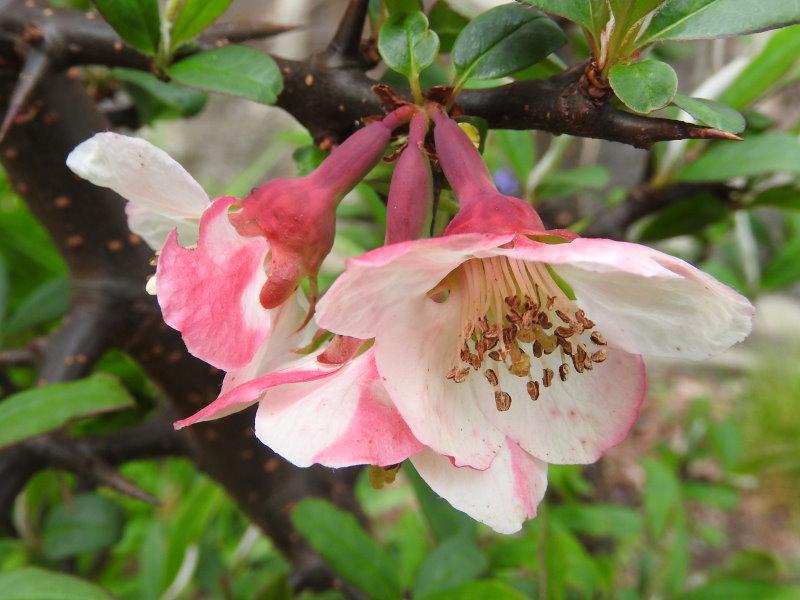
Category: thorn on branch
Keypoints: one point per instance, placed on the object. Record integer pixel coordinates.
(345, 48)
(234, 32)
(34, 69)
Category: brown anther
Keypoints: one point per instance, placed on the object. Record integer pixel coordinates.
(537, 349)
(563, 371)
(551, 300)
(577, 361)
(509, 335)
(514, 317)
(490, 342)
(475, 361)
(465, 353)
(520, 363)
(563, 316)
(544, 321)
(451, 373)
(502, 400)
(526, 335)
(598, 338)
(564, 332)
(512, 301)
(533, 390)
(528, 318)
(547, 377)
(461, 375)
(495, 355)
(491, 377)
(600, 356)
(566, 345)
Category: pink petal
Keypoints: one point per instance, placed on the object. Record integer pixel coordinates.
(572, 422)
(414, 353)
(342, 420)
(503, 496)
(645, 301)
(210, 293)
(389, 275)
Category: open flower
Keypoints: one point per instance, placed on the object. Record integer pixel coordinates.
(502, 331)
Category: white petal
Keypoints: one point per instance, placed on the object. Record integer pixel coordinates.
(503, 496)
(139, 172)
(572, 422)
(154, 227)
(414, 354)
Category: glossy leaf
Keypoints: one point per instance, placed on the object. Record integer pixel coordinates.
(42, 409)
(455, 561)
(156, 99)
(235, 70)
(88, 523)
(406, 43)
(699, 19)
(136, 21)
(447, 24)
(711, 113)
(756, 155)
(194, 17)
(644, 86)
(33, 583)
(348, 549)
(591, 14)
(45, 304)
(504, 40)
(785, 197)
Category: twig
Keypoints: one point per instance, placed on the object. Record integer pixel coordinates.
(344, 49)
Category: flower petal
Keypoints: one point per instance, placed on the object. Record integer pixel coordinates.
(414, 354)
(645, 301)
(503, 496)
(342, 420)
(139, 172)
(210, 293)
(572, 422)
(390, 275)
(154, 228)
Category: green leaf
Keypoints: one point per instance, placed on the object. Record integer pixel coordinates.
(411, 539)
(684, 217)
(348, 549)
(572, 181)
(39, 410)
(156, 99)
(734, 589)
(46, 303)
(504, 40)
(194, 17)
(700, 19)
(756, 155)
(772, 64)
(644, 86)
(447, 24)
(32, 583)
(453, 562)
(402, 6)
(407, 45)
(445, 520)
(480, 590)
(713, 114)
(784, 269)
(662, 496)
(598, 519)
(786, 197)
(89, 523)
(721, 496)
(136, 21)
(236, 70)
(590, 14)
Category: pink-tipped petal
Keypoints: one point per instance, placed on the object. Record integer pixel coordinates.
(645, 301)
(387, 276)
(210, 293)
(573, 421)
(414, 354)
(342, 420)
(503, 496)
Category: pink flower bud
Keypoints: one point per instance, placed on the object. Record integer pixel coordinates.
(298, 216)
(411, 190)
(483, 208)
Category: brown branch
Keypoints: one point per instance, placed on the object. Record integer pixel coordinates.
(331, 101)
(344, 49)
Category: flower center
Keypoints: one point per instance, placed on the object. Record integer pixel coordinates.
(516, 317)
